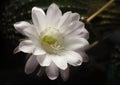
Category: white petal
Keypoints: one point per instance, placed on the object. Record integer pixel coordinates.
(80, 30)
(60, 61)
(39, 51)
(31, 32)
(84, 34)
(75, 17)
(74, 28)
(67, 19)
(52, 71)
(26, 46)
(75, 42)
(44, 60)
(31, 64)
(68, 28)
(20, 26)
(65, 74)
(33, 35)
(73, 58)
(38, 17)
(53, 15)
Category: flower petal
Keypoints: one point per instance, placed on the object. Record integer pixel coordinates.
(31, 64)
(67, 19)
(26, 46)
(60, 61)
(84, 34)
(38, 17)
(54, 14)
(75, 42)
(41, 71)
(16, 50)
(72, 27)
(31, 32)
(83, 55)
(44, 60)
(80, 30)
(39, 51)
(65, 74)
(73, 58)
(20, 26)
(52, 71)
(75, 17)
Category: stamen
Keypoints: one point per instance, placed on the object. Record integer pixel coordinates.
(49, 40)
(52, 41)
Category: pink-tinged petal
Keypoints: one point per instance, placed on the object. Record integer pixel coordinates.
(20, 26)
(83, 55)
(60, 61)
(38, 17)
(16, 50)
(84, 34)
(44, 60)
(52, 71)
(73, 58)
(41, 71)
(65, 74)
(75, 42)
(39, 51)
(26, 46)
(54, 14)
(31, 64)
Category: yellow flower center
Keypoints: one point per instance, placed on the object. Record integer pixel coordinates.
(49, 40)
(52, 41)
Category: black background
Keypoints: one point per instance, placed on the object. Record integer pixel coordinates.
(95, 72)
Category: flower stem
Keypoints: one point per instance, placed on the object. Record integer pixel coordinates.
(93, 16)
(92, 45)
(99, 11)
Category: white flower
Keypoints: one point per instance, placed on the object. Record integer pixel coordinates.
(53, 40)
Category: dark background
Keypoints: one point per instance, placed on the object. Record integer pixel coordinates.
(103, 67)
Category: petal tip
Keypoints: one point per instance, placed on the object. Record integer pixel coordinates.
(65, 74)
(54, 4)
(16, 25)
(64, 67)
(52, 78)
(36, 9)
(16, 50)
